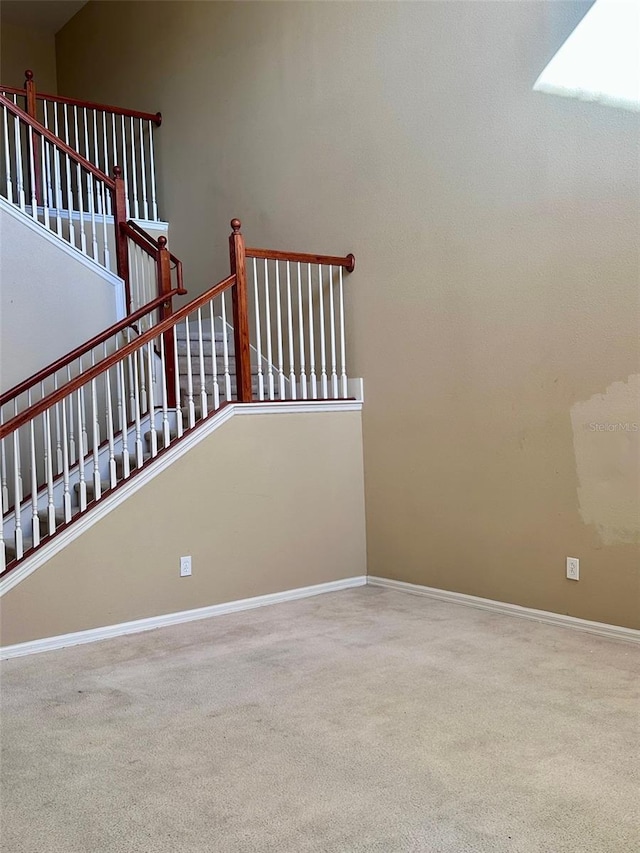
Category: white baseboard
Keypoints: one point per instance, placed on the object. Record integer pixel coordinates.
(138, 625)
(614, 632)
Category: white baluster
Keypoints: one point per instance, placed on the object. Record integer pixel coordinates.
(332, 327)
(113, 477)
(292, 368)
(144, 380)
(225, 350)
(19, 167)
(133, 368)
(134, 171)
(154, 433)
(58, 433)
(83, 236)
(72, 429)
(343, 358)
(95, 439)
(32, 174)
(7, 153)
(70, 208)
(49, 199)
(312, 345)
(152, 167)
(66, 494)
(4, 485)
(190, 404)
(51, 509)
(203, 388)
(125, 172)
(256, 299)
(279, 334)
(106, 168)
(303, 370)
(176, 367)
(17, 480)
(267, 308)
(214, 360)
(82, 483)
(166, 432)
(91, 196)
(106, 197)
(20, 489)
(45, 179)
(122, 420)
(116, 161)
(323, 355)
(33, 467)
(96, 159)
(57, 174)
(143, 171)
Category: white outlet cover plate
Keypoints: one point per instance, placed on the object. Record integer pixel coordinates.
(185, 567)
(573, 568)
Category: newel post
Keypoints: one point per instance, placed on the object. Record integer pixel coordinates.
(240, 313)
(32, 108)
(120, 219)
(163, 268)
(30, 89)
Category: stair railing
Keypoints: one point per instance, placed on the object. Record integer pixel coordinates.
(81, 205)
(119, 414)
(105, 136)
(75, 196)
(298, 324)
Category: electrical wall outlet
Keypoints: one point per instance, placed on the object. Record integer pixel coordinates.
(573, 568)
(185, 567)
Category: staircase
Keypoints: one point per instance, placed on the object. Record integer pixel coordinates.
(75, 432)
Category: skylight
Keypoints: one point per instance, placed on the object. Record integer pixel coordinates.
(600, 61)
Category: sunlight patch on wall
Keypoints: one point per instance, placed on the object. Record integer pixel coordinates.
(600, 61)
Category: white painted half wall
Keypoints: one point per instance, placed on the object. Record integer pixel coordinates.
(51, 297)
(264, 504)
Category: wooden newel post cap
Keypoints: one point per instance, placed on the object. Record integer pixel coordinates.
(236, 225)
(28, 75)
(117, 172)
(162, 242)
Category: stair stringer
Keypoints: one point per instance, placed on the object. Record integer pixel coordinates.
(152, 469)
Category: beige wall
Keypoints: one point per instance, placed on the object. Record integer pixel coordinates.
(25, 47)
(496, 233)
(50, 302)
(264, 504)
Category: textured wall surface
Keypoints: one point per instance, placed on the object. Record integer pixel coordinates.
(25, 47)
(496, 233)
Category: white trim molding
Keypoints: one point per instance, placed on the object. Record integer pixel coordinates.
(602, 629)
(148, 473)
(139, 625)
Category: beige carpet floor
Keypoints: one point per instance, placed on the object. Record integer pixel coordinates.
(364, 721)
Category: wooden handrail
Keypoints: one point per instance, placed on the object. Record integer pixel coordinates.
(348, 262)
(131, 226)
(146, 243)
(86, 347)
(110, 361)
(13, 91)
(156, 118)
(41, 130)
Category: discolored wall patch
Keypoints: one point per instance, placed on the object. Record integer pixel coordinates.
(606, 441)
